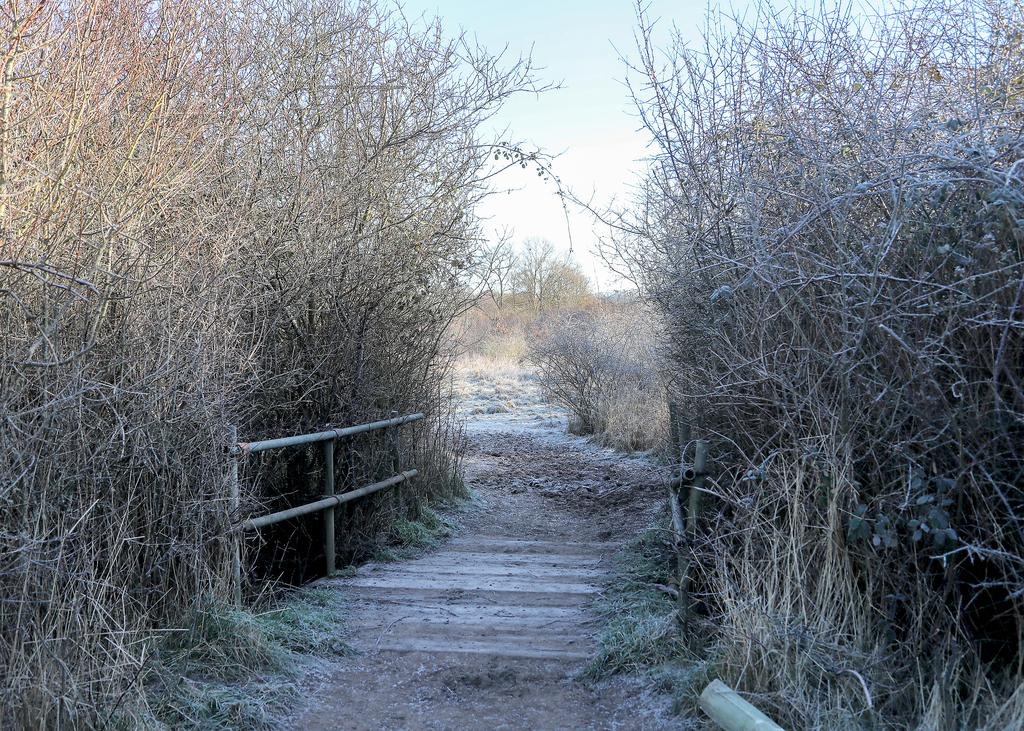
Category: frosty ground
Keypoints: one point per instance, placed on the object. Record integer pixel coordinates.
(540, 488)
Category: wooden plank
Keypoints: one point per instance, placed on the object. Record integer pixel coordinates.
(505, 559)
(495, 544)
(373, 610)
(529, 639)
(546, 573)
(470, 624)
(472, 583)
(494, 649)
(404, 596)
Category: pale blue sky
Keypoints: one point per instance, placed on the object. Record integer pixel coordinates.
(590, 120)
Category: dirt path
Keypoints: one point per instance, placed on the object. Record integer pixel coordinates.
(491, 630)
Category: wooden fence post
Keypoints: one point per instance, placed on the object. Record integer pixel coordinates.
(679, 432)
(700, 460)
(329, 551)
(234, 502)
(394, 437)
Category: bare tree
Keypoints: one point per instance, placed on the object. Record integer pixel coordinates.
(531, 276)
(567, 286)
(498, 262)
(543, 278)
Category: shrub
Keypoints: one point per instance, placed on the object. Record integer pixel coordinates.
(258, 214)
(602, 365)
(832, 229)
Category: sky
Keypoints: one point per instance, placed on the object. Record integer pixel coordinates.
(590, 122)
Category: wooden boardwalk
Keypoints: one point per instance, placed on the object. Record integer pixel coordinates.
(491, 629)
(485, 595)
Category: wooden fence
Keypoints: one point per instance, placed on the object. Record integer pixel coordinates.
(239, 450)
(686, 490)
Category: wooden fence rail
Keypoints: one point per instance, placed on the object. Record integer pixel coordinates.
(238, 450)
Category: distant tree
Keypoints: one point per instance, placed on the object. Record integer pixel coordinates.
(530, 276)
(567, 285)
(498, 265)
(543, 278)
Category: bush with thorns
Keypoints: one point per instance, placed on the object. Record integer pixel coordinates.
(833, 228)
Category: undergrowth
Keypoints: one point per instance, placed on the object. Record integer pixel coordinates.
(237, 669)
(641, 634)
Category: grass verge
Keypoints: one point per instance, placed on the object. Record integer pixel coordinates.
(238, 669)
(640, 633)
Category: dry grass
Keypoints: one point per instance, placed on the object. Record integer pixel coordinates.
(502, 357)
(632, 417)
(494, 337)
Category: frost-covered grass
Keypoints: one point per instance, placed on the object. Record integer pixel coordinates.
(640, 632)
(489, 386)
(409, 538)
(237, 668)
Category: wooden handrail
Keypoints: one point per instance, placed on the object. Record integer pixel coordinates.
(328, 503)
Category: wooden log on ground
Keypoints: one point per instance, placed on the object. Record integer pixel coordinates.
(731, 712)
